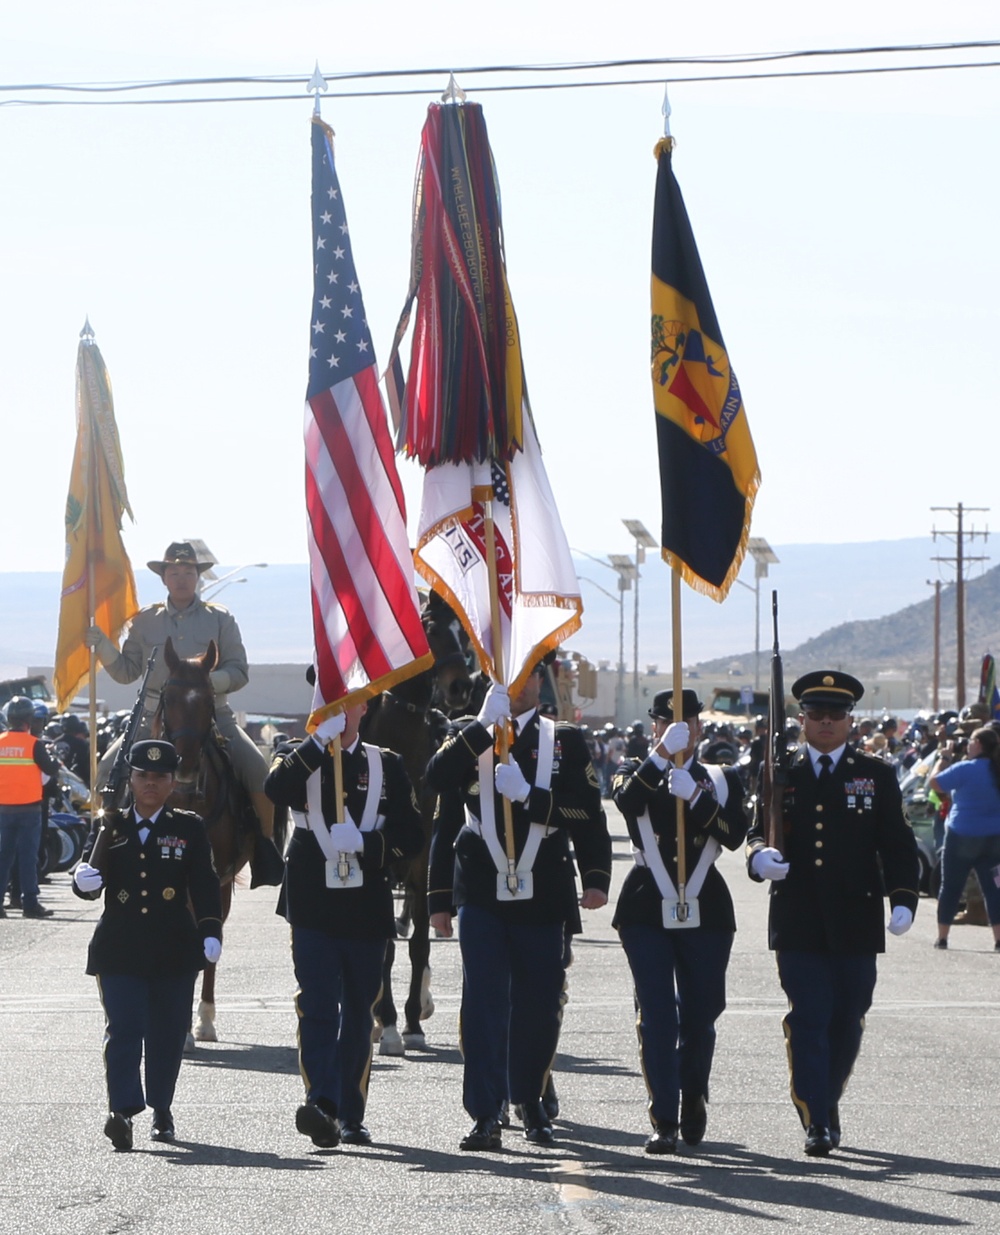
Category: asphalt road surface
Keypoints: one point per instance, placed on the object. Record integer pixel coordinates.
(921, 1146)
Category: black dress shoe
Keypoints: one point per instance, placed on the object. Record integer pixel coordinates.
(322, 1129)
(818, 1143)
(663, 1140)
(118, 1130)
(835, 1127)
(484, 1135)
(163, 1127)
(14, 903)
(36, 911)
(355, 1134)
(537, 1125)
(694, 1118)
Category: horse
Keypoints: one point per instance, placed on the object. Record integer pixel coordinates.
(205, 784)
(403, 719)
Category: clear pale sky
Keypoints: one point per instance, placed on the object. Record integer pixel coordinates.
(847, 227)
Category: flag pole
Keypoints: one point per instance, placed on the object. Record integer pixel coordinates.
(486, 496)
(93, 534)
(343, 863)
(677, 707)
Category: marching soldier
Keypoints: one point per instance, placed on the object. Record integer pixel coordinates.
(148, 946)
(679, 968)
(842, 818)
(337, 898)
(512, 940)
(191, 624)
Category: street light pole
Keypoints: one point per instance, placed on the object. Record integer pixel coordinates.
(643, 541)
(763, 556)
(620, 602)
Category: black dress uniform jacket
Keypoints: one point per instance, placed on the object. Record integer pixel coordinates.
(641, 786)
(462, 872)
(305, 900)
(835, 839)
(148, 928)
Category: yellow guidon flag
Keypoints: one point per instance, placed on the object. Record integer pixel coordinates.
(98, 585)
(708, 466)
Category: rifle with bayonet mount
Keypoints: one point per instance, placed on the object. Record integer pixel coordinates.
(775, 776)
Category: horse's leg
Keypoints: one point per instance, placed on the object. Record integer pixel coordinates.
(389, 1042)
(419, 1004)
(204, 1027)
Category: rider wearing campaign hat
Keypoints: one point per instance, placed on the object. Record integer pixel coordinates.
(191, 624)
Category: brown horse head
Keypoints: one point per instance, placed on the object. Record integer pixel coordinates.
(187, 706)
(448, 642)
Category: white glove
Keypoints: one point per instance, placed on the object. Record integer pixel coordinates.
(681, 783)
(676, 738)
(220, 681)
(511, 783)
(900, 920)
(769, 864)
(330, 728)
(87, 878)
(496, 705)
(347, 838)
(95, 638)
(213, 950)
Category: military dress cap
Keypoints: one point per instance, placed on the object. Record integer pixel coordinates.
(827, 688)
(691, 705)
(179, 553)
(153, 756)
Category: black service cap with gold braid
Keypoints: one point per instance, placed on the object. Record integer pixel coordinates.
(153, 755)
(827, 688)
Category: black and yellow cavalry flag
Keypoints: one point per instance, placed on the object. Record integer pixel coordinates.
(708, 466)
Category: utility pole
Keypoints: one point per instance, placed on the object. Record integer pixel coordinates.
(936, 696)
(959, 537)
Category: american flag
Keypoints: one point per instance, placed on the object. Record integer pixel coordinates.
(367, 628)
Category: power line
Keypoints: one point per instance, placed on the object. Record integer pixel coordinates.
(750, 59)
(508, 89)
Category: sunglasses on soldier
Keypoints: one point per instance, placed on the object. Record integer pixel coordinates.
(825, 713)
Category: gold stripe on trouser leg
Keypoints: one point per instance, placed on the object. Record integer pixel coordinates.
(642, 1063)
(836, 1097)
(104, 1044)
(363, 1086)
(800, 1106)
(298, 1013)
(298, 1040)
(563, 1000)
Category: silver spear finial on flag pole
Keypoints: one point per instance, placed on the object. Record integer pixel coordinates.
(666, 110)
(87, 333)
(316, 83)
(454, 92)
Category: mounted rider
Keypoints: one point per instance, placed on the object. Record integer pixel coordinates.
(191, 624)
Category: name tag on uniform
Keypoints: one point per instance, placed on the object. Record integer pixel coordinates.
(524, 891)
(345, 873)
(672, 919)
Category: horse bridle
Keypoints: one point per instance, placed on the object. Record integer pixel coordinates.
(188, 731)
